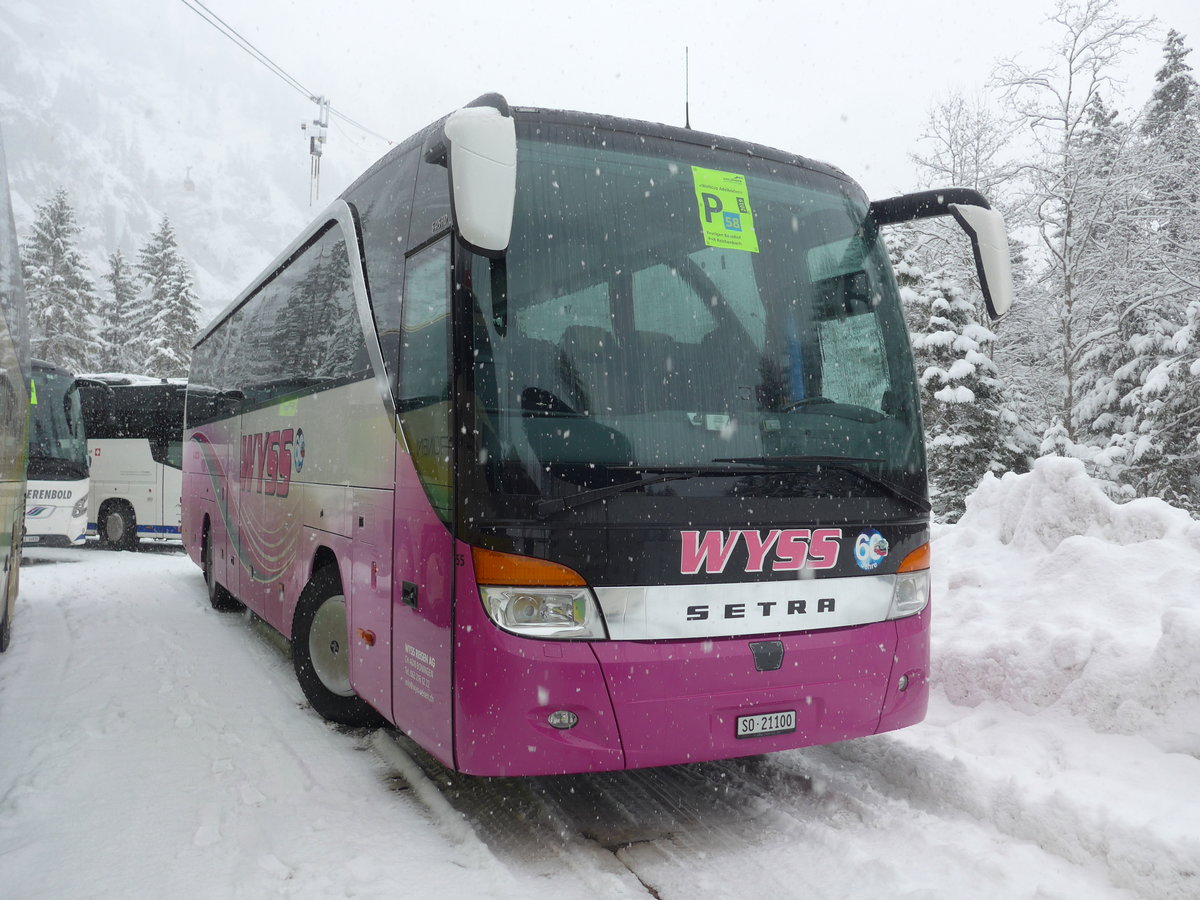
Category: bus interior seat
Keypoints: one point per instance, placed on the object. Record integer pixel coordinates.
(588, 367)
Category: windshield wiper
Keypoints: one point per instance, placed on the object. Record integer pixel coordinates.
(673, 473)
(845, 464)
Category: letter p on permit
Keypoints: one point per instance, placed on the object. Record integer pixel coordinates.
(712, 205)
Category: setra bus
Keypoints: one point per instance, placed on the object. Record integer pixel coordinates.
(134, 428)
(56, 494)
(14, 406)
(571, 443)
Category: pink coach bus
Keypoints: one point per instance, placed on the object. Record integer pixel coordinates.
(570, 443)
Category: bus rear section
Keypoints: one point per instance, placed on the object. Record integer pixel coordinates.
(630, 474)
(134, 428)
(56, 493)
(14, 407)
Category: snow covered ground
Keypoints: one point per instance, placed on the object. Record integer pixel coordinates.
(151, 747)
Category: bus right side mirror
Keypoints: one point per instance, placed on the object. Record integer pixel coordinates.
(983, 225)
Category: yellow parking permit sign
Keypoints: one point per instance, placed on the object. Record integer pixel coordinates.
(725, 209)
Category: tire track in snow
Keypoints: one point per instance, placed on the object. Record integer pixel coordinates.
(504, 818)
(806, 823)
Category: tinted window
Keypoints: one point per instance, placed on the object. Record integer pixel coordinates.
(152, 412)
(424, 391)
(383, 201)
(300, 333)
(669, 304)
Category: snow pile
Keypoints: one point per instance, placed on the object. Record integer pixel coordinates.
(1048, 594)
(151, 747)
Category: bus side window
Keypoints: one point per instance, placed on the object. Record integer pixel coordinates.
(384, 205)
(425, 331)
(424, 390)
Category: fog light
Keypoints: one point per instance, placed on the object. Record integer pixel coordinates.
(562, 719)
(902, 684)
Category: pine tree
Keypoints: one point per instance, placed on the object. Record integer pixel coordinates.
(1087, 190)
(115, 311)
(1170, 108)
(1165, 456)
(1172, 128)
(1119, 339)
(62, 299)
(970, 425)
(166, 316)
(1168, 455)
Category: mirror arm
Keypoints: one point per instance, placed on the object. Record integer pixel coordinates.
(924, 205)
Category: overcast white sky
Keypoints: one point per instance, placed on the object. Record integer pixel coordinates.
(849, 82)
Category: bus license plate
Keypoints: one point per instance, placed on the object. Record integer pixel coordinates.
(764, 724)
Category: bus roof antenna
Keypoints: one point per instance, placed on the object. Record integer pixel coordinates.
(687, 100)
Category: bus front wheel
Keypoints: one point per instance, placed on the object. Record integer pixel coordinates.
(321, 652)
(118, 526)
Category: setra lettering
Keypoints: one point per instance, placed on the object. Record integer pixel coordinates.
(702, 612)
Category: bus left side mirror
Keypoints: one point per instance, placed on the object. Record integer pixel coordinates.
(483, 174)
(989, 240)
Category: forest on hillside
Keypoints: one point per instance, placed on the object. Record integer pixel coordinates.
(1100, 357)
(1099, 360)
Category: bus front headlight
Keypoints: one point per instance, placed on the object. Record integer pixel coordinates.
(910, 594)
(536, 597)
(80, 508)
(560, 613)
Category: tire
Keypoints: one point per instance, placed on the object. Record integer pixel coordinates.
(5, 628)
(220, 599)
(117, 527)
(11, 577)
(11, 585)
(320, 652)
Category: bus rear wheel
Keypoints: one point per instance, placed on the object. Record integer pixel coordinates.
(220, 599)
(118, 526)
(5, 626)
(321, 652)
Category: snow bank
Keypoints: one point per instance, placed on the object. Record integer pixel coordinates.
(1048, 594)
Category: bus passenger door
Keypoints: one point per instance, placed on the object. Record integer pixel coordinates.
(422, 599)
(370, 598)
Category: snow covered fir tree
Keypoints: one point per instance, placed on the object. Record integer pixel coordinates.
(1114, 272)
(970, 428)
(62, 298)
(115, 311)
(164, 317)
(143, 323)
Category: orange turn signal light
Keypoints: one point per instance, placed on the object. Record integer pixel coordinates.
(916, 561)
(495, 568)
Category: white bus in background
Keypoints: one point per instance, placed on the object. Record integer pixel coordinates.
(134, 427)
(56, 490)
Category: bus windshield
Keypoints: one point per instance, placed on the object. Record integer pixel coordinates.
(667, 305)
(57, 442)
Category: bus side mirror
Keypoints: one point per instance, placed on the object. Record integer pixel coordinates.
(483, 174)
(983, 225)
(989, 240)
